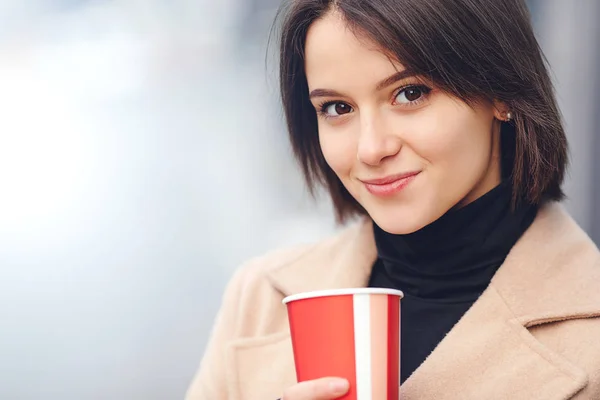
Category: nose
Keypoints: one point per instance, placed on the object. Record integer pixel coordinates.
(377, 141)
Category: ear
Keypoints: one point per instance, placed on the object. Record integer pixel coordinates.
(501, 111)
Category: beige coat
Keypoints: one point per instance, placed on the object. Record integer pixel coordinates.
(533, 334)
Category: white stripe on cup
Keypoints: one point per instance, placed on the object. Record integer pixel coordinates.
(399, 340)
(362, 345)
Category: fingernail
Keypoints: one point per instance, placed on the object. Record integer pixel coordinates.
(339, 386)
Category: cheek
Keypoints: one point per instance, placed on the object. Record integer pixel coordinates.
(453, 140)
(339, 150)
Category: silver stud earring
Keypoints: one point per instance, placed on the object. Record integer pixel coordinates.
(509, 116)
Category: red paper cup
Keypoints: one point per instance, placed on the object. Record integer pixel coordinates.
(348, 333)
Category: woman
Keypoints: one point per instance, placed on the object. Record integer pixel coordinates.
(435, 123)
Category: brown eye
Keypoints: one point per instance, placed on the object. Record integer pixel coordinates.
(410, 95)
(413, 94)
(336, 109)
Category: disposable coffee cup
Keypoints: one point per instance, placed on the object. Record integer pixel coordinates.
(348, 333)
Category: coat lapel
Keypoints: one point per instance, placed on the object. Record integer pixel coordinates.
(549, 276)
(490, 352)
(261, 368)
(490, 355)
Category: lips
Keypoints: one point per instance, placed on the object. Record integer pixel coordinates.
(390, 185)
(391, 178)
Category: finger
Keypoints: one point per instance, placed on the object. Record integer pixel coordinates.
(320, 389)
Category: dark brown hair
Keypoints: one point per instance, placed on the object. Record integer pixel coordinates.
(471, 49)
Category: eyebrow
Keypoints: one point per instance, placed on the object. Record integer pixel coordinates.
(398, 76)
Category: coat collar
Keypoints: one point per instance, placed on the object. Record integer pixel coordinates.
(550, 275)
(343, 261)
(553, 260)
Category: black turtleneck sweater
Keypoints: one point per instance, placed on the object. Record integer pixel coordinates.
(444, 267)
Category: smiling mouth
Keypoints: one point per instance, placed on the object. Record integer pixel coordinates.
(390, 185)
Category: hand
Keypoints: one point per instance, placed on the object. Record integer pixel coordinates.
(319, 389)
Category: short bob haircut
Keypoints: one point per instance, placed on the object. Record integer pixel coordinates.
(471, 49)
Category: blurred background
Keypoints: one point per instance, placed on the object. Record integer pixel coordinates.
(143, 157)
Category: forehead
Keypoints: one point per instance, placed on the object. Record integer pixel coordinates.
(335, 55)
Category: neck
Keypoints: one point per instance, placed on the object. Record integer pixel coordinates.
(456, 256)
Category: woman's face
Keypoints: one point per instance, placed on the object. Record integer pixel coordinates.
(406, 151)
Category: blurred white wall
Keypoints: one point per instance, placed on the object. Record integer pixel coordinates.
(142, 159)
(569, 34)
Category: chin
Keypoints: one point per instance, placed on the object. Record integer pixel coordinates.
(399, 223)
